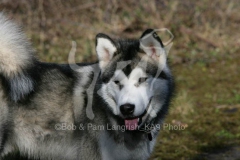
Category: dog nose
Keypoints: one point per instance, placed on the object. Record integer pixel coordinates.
(127, 109)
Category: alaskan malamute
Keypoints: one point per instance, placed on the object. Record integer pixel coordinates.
(109, 110)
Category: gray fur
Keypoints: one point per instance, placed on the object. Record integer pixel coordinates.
(16, 55)
(4, 117)
(21, 85)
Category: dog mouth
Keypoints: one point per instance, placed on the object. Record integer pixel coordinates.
(134, 123)
(131, 124)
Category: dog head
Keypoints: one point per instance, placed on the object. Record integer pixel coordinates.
(136, 79)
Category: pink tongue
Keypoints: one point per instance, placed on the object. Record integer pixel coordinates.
(131, 124)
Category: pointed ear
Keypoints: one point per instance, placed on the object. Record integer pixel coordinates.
(105, 48)
(152, 45)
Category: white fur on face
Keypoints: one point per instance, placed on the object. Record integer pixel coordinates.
(129, 91)
(132, 92)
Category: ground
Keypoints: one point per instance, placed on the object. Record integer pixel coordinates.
(204, 59)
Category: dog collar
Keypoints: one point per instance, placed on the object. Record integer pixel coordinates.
(148, 128)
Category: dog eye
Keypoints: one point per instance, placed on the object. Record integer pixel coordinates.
(142, 80)
(117, 82)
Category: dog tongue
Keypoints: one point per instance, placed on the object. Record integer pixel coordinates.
(131, 124)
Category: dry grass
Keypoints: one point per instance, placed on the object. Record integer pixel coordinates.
(205, 57)
(182, 105)
(53, 24)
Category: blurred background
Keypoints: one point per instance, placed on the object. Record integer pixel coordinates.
(204, 59)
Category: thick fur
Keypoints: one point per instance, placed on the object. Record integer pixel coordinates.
(16, 56)
(37, 96)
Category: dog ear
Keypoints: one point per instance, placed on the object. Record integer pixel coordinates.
(152, 45)
(105, 48)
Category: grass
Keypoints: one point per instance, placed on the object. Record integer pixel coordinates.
(204, 58)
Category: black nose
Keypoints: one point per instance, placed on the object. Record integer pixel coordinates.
(127, 109)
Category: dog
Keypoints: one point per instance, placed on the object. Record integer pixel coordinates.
(111, 109)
